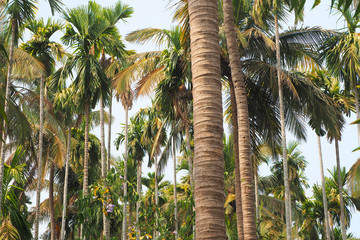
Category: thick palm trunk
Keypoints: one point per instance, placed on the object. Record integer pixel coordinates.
(38, 189)
(342, 210)
(6, 106)
(326, 212)
(138, 233)
(175, 193)
(208, 120)
(246, 173)
(86, 151)
(103, 164)
(51, 202)
(156, 199)
(124, 228)
(238, 201)
(109, 133)
(283, 135)
(62, 233)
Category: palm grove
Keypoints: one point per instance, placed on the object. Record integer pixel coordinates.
(225, 61)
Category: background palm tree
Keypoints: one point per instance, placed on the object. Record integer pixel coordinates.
(46, 52)
(18, 12)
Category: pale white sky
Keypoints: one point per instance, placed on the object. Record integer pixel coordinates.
(154, 13)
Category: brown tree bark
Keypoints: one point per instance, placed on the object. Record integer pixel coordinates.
(246, 173)
(208, 120)
(238, 201)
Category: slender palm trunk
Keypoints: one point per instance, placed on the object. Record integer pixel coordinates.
(247, 184)
(102, 139)
(175, 194)
(38, 189)
(103, 164)
(188, 146)
(138, 233)
(357, 109)
(86, 151)
(6, 106)
(190, 159)
(156, 199)
(238, 201)
(62, 233)
(51, 202)
(283, 135)
(256, 186)
(109, 133)
(124, 228)
(208, 120)
(342, 210)
(326, 212)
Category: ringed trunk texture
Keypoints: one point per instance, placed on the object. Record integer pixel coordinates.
(103, 165)
(6, 107)
(51, 202)
(62, 234)
(256, 185)
(175, 193)
(342, 210)
(283, 135)
(208, 120)
(109, 133)
(238, 201)
(246, 173)
(38, 189)
(138, 233)
(86, 151)
(124, 228)
(156, 199)
(326, 211)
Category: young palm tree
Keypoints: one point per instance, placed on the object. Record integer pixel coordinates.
(208, 121)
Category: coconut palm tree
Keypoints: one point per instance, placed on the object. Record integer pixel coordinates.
(248, 207)
(277, 5)
(208, 121)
